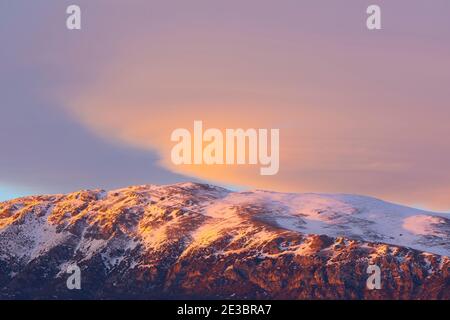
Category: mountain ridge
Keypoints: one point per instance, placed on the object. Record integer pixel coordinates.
(193, 240)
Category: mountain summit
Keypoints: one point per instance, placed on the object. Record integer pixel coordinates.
(199, 241)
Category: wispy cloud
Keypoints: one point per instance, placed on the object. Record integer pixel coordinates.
(358, 112)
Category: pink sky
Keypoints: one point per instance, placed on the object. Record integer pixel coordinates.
(359, 112)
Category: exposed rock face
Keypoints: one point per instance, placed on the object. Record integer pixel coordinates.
(199, 241)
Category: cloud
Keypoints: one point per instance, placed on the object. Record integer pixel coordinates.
(43, 149)
(358, 112)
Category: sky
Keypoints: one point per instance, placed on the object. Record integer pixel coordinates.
(359, 111)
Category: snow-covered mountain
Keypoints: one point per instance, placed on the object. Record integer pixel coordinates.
(200, 241)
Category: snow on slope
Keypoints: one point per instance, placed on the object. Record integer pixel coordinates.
(209, 213)
(336, 215)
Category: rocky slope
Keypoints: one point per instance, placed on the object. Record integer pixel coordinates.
(199, 241)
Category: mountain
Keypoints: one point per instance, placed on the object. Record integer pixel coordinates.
(199, 241)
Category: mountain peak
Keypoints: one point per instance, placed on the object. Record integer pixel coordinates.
(155, 232)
